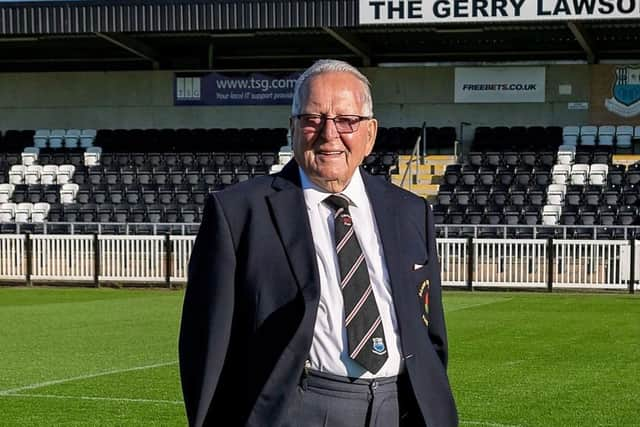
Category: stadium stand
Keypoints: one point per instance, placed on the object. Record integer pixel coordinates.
(569, 179)
(145, 175)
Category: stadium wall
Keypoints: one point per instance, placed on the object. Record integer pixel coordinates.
(404, 96)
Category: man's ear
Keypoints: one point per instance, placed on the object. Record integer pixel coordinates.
(372, 131)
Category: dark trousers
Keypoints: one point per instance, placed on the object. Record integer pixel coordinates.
(327, 400)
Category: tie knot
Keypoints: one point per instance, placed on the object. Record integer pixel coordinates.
(337, 202)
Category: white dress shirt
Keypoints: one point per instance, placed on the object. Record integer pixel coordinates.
(329, 348)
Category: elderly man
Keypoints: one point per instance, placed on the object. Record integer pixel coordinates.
(314, 294)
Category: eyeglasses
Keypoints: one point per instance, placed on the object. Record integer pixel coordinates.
(345, 123)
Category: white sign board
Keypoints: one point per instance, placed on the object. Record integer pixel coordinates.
(499, 84)
(468, 11)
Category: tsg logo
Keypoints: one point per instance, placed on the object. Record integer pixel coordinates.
(626, 92)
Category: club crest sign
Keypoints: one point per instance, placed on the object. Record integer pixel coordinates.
(625, 101)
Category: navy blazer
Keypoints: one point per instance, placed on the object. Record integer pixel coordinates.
(253, 292)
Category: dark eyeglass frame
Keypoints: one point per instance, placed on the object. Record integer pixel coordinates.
(345, 123)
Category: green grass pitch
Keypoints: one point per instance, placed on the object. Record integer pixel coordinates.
(107, 357)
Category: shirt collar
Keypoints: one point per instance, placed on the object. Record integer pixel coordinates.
(314, 195)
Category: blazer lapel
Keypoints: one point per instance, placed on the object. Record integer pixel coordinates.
(382, 201)
(290, 217)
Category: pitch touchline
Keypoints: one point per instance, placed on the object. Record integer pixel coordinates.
(82, 377)
(115, 399)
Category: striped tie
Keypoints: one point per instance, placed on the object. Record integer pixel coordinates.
(362, 318)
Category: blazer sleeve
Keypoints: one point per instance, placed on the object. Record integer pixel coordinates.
(207, 312)
(437, 328)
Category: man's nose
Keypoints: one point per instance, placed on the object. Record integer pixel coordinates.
(329, 130)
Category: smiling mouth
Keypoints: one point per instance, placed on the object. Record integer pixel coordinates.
(330, 153)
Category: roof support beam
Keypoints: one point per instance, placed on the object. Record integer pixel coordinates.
(583, 38)
(134, 46)
(352, 43)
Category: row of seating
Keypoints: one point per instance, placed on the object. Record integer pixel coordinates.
(537, 137)
(467, 221)
(538, 158)
(67, 138)
(604, 136)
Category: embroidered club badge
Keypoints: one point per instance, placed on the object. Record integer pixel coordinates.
(378, 346)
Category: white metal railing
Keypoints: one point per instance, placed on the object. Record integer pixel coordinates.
(453, 255)
(132, 258)
(12, 257)
(526, 263)
(62, 257)
(181, 251)
(599, 264)
(510, 262)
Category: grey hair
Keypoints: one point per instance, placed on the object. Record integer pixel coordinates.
(332, 66)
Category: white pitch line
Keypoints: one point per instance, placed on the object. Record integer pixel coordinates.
(487, 424)
(82, 377)
(114, 399)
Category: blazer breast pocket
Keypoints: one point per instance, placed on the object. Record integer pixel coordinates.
(422, 282)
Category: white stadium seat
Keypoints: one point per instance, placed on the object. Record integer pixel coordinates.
(598, 174)
(7, 212)
(32, 174)
(39, 212)
(68, 193)
(555, 194)
(6, 191)
(16, 174)
(65, 173)
(566, 154)
(551, 214)
(49, 174)
(23, 212)
(30, 155)
(579, 174)
(560, 174)
(92, 156)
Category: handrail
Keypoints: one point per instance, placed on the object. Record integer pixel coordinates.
(415, 153)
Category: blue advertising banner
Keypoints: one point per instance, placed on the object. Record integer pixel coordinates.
(234, 88)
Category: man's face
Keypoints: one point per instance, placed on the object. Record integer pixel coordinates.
(330, 158)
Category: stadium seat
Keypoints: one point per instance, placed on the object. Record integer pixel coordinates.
(633, 174)
(32, 174)
(630, 194)
(560, 174)
(30, 155)
(606, 135)
(87, 137)
(56, 138)
(624, 135)
(591, 195)
(551, 214)
(570, 135)
(40, 211)
(555, 194)
(7, 211)
(579, 174)
(616, 174)
(566, 154)
(598, 174)
(588, 135)
(72, 138)
(6, 192)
